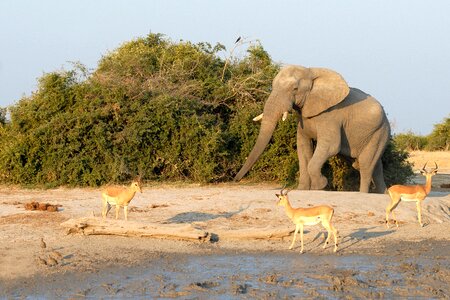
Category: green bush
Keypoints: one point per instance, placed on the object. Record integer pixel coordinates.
(3, 111)
(410, 141)
(342, 176)
(396, 168)
(439, 139)
(165, 110)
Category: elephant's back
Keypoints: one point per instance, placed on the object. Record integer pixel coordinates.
(365, 109)
(365, 118)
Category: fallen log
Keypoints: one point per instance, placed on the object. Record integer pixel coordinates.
(98, 226)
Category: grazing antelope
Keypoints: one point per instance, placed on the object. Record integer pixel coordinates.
(415, 193)
(308, 216)
(119, 196)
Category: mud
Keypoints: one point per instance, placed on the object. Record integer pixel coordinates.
(420, 270)
(372, 261)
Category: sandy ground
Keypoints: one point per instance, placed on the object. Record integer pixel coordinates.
(420, 158)
(372, 260)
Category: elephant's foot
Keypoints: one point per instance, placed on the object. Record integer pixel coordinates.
(304, 182)
(320, 183)
(380, 188)
(304, 186)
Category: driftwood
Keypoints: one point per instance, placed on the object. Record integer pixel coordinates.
(98, 226)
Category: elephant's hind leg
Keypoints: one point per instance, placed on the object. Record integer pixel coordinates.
(370, 162)
(378, 178)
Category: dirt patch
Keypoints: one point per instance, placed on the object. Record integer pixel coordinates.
(372, 260)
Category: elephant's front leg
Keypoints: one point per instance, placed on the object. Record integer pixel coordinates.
(327, 146)
(304, 152)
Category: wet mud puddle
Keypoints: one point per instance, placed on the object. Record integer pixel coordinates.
(250, 275)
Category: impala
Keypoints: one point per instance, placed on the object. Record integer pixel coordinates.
(119, 196)
(414, 193)
(308, 216)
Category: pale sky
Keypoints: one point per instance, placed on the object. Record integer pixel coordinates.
(396, 50)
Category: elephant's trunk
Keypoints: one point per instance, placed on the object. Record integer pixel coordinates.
(272, 113)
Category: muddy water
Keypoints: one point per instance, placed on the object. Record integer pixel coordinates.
(250, 275)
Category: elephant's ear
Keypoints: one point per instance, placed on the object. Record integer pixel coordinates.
(328, 89)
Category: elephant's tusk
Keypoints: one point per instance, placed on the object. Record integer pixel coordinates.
(257, 118)
(285, 115)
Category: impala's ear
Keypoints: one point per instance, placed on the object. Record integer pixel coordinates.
(328, 89)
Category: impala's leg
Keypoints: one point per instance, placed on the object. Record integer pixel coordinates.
(108, 208)
(117, 211)
(330, 231)
(335, 237)
(104, 208)
(326, 225)
(395, 218)
(419, 212)
(297, 228)
(301, 238)
(390, 208)
(125, 212)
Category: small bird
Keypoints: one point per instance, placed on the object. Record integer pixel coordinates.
(51, 261)
(56, 255)
(42, 261)
(43, 244)
(238, 39)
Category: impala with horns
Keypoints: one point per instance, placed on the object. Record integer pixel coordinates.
(308, 216)
(412, 193)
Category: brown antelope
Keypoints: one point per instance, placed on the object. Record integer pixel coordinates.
(414, 193)
(119, 196)
(308, 216)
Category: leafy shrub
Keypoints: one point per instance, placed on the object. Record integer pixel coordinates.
(165, 110)
(439, 139)
(342, 176)
(410, 141)
(396, 168)
(3, 111)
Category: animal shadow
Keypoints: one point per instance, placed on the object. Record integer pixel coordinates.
(194, 216)
(362, 234)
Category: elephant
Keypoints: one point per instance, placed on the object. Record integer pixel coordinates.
(341, 119)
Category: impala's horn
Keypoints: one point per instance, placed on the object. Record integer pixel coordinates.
(423, 169)
(435, 169)
(283, 193)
